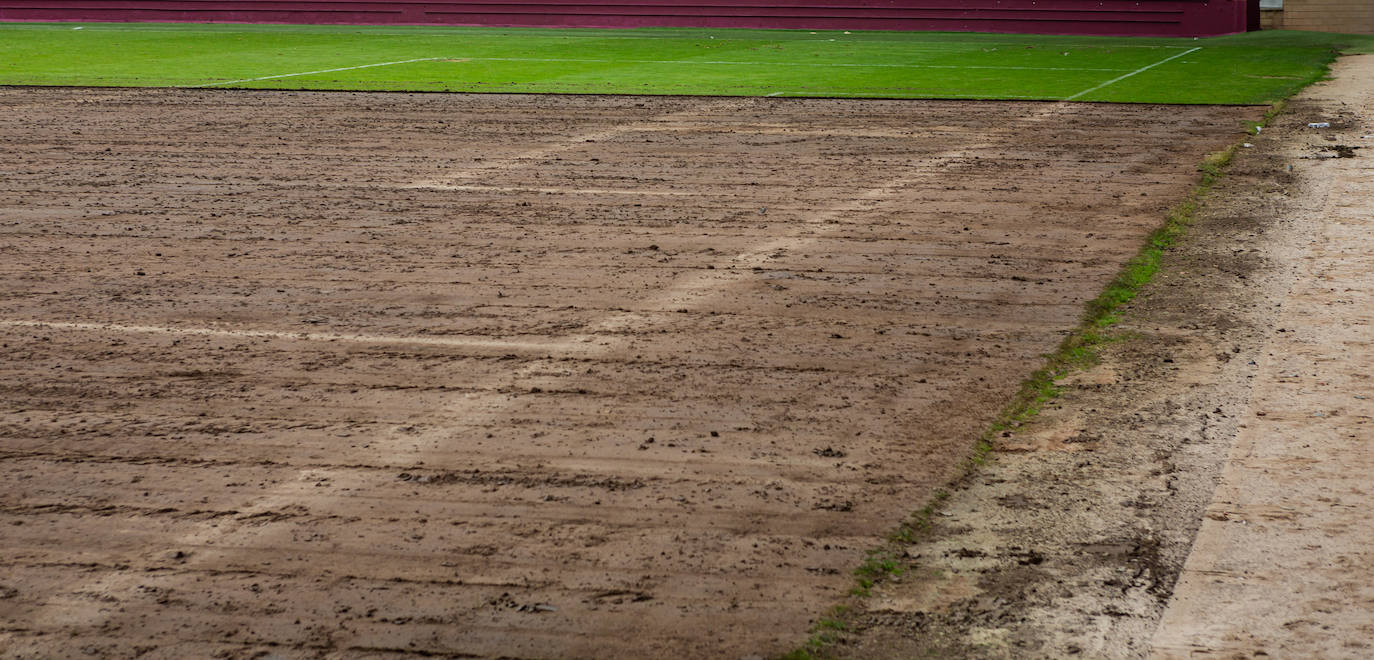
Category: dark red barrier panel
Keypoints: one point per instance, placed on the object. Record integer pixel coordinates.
(1105, 17)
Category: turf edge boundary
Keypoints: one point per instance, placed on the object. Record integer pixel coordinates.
(1078, 351)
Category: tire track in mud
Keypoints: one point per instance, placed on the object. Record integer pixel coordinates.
(616, 494)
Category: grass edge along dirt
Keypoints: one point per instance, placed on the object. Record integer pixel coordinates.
(1078, 351)
(1249, 69)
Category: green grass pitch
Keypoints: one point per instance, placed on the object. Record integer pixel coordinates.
(1254, 68)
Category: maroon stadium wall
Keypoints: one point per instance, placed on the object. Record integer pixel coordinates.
(1105, 17)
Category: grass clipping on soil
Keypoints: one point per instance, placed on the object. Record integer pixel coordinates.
(1077, 351)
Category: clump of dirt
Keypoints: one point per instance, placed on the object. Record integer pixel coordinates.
(1340, 150)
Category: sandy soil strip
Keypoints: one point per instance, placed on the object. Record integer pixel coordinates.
(1284, 562)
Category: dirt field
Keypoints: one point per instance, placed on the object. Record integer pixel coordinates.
(372, 375)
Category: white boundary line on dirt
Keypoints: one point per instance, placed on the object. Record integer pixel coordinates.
(307, 73)
(568, 143)
(1140, 70)
(566, 191)
(457, 342)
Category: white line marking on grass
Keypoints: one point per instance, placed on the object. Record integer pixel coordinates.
(1140, 70)
(856, 65)
(450, 341)
(308, 73)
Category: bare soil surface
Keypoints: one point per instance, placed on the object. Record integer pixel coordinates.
(1284, 561)
(1226, 429)
(374, 375)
